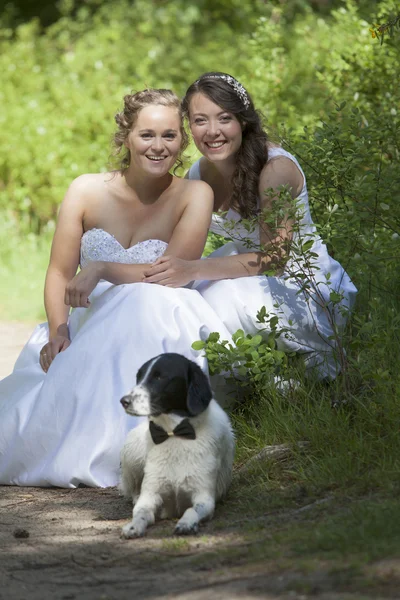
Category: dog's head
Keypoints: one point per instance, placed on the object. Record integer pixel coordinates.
(168, 383)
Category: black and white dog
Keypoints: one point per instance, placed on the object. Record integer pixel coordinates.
(179, 462)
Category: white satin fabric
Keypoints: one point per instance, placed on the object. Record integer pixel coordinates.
(67, 427)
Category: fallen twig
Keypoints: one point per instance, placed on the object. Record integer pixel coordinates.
(277, 452)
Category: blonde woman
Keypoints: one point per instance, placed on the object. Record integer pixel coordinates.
(61, 423)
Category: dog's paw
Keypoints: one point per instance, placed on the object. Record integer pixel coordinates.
(183, 528)
(130, 531)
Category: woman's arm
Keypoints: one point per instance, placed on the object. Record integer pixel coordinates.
(78, 290)
(277, 173)
(64, 260)
(175, 272)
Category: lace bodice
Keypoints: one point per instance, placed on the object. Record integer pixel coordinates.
(97, 244)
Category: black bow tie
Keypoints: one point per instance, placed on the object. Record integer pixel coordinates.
(184, 429)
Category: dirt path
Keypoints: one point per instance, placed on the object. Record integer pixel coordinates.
(64, 544)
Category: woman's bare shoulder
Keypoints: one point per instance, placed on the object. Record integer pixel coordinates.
(92, 181)
(279, 171)
(193, 186)
(87, 187)
(193, 191)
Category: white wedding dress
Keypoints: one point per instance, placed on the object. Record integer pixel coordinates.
(309, 317)
(67, 427)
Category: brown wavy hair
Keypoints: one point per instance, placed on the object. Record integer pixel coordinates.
(126, 119)
(253, 152)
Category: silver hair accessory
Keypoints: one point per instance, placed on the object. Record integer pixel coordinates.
(239, 89)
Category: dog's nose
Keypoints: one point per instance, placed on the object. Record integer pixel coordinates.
(125, 401)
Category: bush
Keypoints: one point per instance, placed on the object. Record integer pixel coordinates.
(349, 148)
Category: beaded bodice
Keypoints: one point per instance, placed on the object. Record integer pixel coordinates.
(99, 245)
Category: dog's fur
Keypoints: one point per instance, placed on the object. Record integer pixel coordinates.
(179, 477)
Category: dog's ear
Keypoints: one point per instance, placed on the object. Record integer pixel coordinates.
(199, 391)
(142, 371)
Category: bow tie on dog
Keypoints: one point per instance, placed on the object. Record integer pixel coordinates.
(184, 430)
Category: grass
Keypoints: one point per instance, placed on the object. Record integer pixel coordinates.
(349, 545)
(332, 504)
(23, 264)
(368, 529)
(175, 545)
(354, 447)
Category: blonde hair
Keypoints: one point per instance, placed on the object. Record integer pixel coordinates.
(126, 119)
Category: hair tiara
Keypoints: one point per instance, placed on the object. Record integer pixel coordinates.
(234, 83)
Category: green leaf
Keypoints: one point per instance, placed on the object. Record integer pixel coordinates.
(213, 337)
(237, 335)
(335, 297)
(199, 345)
(255, 340)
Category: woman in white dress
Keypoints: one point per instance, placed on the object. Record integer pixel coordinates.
(311, 294)
(61, 422)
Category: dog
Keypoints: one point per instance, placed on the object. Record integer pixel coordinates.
(179, 462)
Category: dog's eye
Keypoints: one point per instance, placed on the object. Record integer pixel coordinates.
(157, 376)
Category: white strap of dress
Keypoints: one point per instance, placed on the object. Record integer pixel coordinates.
(194, 171)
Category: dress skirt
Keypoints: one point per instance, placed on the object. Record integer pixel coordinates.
(67, 427)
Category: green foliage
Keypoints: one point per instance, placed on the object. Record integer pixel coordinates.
(354, 181)
(238, 15)
(297, 65)
(63, 87)
(60, 88)
(251, 361)
(368, 529)
(23, 262)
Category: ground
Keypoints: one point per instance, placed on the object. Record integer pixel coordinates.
(65, 544)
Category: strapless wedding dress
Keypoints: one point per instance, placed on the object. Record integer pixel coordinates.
(67, 427)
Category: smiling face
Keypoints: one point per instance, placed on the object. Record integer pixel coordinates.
(155, 139)
(217, 133)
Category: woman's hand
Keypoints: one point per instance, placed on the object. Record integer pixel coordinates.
(78, 290)
(50, 350)
(171, 272)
